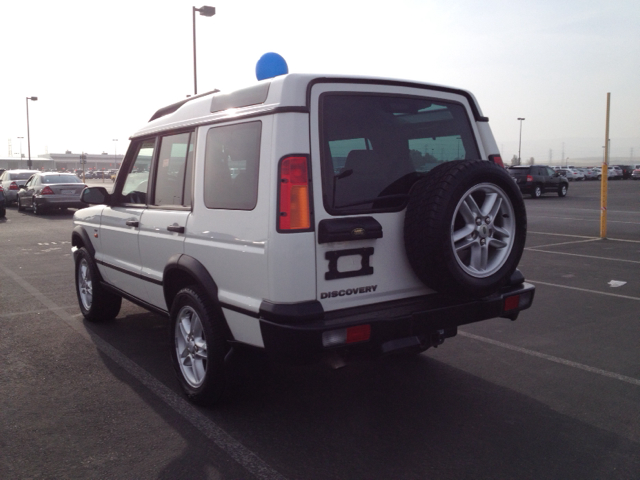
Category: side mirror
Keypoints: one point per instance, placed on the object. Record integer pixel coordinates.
(22, 187)
(95, 196)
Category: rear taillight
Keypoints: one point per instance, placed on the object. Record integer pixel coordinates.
(345, 336)
(521, 301)
(529, 178)
(14, 186)
(46, 191)
(497, 159)
(1, 189)
(294, 212)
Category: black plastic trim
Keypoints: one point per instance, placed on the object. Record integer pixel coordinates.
(299, 339)
(136, 300)
(291, 312)
(333, 256)
(348, 229)
(82, 233)
(128, 272)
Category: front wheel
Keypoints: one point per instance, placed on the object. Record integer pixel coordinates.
(562, 190)
(199, 346)
(96, 304)
(20, 207)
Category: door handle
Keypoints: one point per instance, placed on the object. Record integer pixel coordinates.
(175, 228)
(132, 223)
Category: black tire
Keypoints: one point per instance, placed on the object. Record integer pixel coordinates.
(96, 304)
(599, 177)
(3, 212)
(443, 257)
(537, 192)
(197, 327)
(36, 209)
(20, 207)
(563, 189)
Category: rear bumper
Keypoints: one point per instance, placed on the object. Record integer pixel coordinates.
(50, 201)
(415, 323)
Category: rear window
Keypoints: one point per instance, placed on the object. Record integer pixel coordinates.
(374, 147)
(60, 179)
(20, 176)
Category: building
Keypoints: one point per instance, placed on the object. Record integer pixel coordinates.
(63, 161)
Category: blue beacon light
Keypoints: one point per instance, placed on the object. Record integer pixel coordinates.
(271, 65)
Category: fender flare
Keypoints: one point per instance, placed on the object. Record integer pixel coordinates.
(79, 231)
(192, 268)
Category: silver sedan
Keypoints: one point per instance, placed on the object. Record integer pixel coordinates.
(45, 191)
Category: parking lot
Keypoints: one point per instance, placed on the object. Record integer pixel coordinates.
(553, 395)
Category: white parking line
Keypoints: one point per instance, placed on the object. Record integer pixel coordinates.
(551, 358)
(563, 243)
(245, 457)
(586, 290)
(582, 236)
(581, 219)
(535, 249)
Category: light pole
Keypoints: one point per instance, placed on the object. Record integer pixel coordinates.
(520, 141)
(115, 151)
(21, 138)
(207, 12)
(28, 136)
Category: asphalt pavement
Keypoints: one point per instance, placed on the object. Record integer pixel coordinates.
(552, 395)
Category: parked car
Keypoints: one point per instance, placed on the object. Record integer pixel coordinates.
(590, 173)
(617, 172)
(45, 191)
(306, 221)
(626, 170)
(535, 180)
(571, 174)
(3, 203)
(12, 180)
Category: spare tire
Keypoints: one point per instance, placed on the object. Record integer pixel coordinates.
(465, 228)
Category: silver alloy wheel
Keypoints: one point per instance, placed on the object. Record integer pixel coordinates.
(483, 230)
(191, 346)
(85, 284)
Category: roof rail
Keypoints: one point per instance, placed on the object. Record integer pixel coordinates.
(175, 106)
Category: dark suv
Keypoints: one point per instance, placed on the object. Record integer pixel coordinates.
(627, 170)
(538, 179)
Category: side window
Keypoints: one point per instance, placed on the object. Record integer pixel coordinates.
(231, 166)
(176, 152)
(136, 184)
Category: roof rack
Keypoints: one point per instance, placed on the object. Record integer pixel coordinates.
(175, 106)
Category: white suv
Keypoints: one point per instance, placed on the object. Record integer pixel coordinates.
(306, 215)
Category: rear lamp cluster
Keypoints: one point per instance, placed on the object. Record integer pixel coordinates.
(517, 302)
(294, 210)
(345, 336)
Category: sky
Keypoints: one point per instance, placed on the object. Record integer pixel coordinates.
(101, 69)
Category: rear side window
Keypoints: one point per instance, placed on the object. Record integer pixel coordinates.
(374, 147)
(231, 166)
